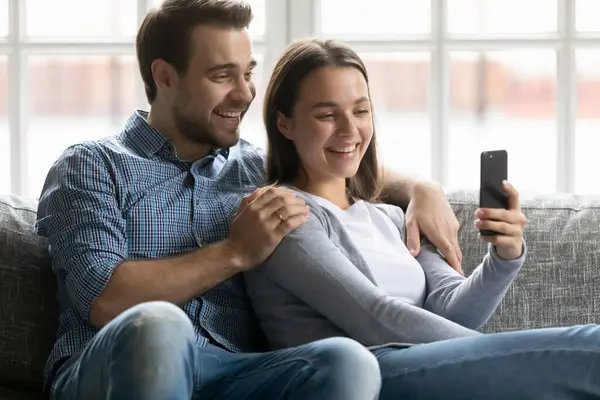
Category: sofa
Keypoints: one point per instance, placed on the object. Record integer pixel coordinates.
(559, 284)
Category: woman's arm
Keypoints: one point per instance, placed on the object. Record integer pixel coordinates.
(470, 301)
(311, 267)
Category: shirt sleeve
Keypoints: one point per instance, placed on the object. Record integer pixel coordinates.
(311, 267)
(470, 301)
(79, 214)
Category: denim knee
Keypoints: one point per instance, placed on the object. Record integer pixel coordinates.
(349, 366)
(151, 339)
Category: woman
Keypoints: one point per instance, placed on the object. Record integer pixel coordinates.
(347, 271)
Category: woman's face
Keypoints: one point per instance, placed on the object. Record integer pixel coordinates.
(331, 124)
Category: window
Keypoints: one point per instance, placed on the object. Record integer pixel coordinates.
(587, 124)
(449, 79)
(512, 74)
(74, 77)
(4, 135)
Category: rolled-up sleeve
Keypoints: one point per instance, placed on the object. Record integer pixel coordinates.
(80, 215)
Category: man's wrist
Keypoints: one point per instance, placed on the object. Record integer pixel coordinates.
(424, 187)
(227, 251)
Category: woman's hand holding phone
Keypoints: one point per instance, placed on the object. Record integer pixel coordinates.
(507, 223)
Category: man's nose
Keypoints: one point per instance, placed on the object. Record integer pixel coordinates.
(243, 91)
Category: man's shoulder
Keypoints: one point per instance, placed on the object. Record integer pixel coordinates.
(250, 151)
(105, 148)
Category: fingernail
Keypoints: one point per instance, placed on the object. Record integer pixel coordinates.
(478, 213)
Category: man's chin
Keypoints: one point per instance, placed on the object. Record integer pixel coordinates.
(228, 139)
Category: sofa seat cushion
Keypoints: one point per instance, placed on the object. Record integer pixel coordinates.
(28, 307)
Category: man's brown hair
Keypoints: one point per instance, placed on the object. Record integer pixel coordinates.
(166, 32)
(299, 60)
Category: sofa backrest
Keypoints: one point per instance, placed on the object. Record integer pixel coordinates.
(559, 285)
(28, 307)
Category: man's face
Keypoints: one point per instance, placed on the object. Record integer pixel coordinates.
(211, 98)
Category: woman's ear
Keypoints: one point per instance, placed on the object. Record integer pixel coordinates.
(284, 125)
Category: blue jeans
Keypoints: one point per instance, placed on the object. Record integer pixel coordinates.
(548, 364)
(149, 352)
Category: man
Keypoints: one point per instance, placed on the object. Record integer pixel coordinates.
(140, 222)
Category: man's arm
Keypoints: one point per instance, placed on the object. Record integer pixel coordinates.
(80, 215)
(427, 212)
(176, 280)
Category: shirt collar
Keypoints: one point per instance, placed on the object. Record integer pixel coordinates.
(140, 134)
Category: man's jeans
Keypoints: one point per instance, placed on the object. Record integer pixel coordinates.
(149, 352)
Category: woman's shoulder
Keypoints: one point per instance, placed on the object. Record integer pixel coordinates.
(317, 211)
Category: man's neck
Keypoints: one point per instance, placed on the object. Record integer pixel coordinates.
(185, 149)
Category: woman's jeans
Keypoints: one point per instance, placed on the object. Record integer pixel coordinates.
(149, 352)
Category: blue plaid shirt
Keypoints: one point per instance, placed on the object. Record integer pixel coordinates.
(129, 197)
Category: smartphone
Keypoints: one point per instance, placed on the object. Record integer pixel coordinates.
(494, 170)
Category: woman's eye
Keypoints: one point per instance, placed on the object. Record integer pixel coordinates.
(325, 116)
(362, 112)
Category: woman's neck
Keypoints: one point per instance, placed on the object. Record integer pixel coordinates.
(333, 190)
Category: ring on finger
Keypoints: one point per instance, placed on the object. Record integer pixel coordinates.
(281, 217)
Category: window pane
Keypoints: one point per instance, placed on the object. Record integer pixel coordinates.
(252, 128)
(497, 17)
(587, 124)
(380, 17)
(80, 19)
(586, 14)
(258, 24)
(504, 100)
(4, 135)
(71, 99)
(3, 18)
(399, 85)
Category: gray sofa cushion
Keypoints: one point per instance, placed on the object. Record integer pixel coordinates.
(559, 284)
(28, 309)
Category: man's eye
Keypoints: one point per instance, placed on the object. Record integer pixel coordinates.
(362, 112)
(248, 75)
(325, 116)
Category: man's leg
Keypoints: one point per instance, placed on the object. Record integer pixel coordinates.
(556, 363)
(332, 369)
(146, 353)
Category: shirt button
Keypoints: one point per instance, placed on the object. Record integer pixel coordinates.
(197, 202)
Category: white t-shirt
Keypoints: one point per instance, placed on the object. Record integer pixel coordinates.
(379, 242)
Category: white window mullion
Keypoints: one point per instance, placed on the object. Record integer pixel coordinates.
(16, 91)
(276, 33)
(302, 19)
(438, 94)
(143, 6)
(566, 99)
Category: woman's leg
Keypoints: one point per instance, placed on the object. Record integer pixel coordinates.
(555, 363)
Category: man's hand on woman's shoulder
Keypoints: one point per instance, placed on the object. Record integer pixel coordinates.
(429, 213)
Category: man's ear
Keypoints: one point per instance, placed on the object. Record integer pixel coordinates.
(165, 76)
(284, 125)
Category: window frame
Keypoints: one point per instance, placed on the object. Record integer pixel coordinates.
(565, 41)
(17, 49)
(288, 20)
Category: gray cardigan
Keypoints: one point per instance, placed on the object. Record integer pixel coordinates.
(316, 285)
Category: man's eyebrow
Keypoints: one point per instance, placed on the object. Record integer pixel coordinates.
(327, 104)
(229, 65)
